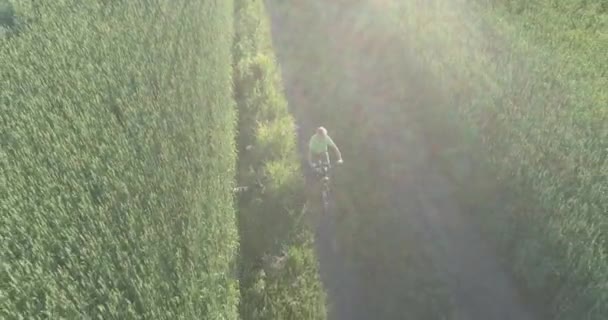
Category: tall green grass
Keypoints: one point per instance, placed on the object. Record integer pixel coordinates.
(278, 268)
(117, 161)
(528, 79)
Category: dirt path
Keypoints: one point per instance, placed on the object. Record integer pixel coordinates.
(477, 285)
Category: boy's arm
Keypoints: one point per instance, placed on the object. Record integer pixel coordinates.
(338, 154)
(336, 149)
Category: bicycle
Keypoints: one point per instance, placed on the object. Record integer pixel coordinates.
(327, 222)
(322, 170)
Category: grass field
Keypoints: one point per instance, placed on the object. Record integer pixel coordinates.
(528, 80)
(118, 157)
(125, 127)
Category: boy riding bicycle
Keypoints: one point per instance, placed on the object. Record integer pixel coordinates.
(318, 145)
(318, 151)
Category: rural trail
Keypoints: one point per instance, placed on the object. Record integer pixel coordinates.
(478, 285)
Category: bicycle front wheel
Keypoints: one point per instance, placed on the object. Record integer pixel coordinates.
(325, 200)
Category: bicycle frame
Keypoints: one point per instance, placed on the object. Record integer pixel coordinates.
(322, 168)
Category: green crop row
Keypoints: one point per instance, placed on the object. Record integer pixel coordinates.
(117, 161)
(528, 82)
(278, 268)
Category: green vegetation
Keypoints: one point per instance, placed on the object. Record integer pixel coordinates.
(278, 268)
(117, 160)
(118, 154)
(121, 123)
(528, 79)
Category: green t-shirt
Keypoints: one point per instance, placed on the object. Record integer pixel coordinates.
(319, 144)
